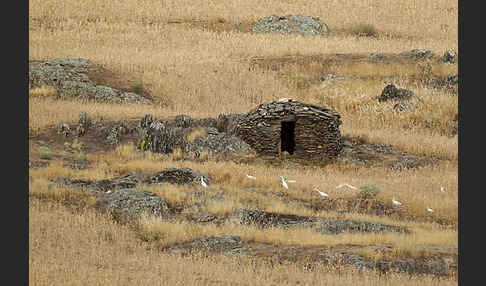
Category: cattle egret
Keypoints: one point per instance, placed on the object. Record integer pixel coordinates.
(346, 185)
(397, 203)
(430, 210)
(320, 193)
(291, 181)
(442, 189)
(284, 184)
(251, 177)
(203, 183)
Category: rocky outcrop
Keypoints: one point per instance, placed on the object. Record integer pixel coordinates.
(130, 203)
(421, 54)
(291, 24)
(163, 136)
(325, 226)
(69, 77)
(391, 92)
(450, 56)
(179, 176)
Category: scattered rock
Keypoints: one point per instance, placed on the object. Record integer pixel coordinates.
(64, 129)
(391, 92)
(183, 121)
(419, 54)
(402, 106)
(450, 81)
(331, 77)
(377, 56)
(105, 185)
(164, 137)
(450, 56)
(84, 123)
(130, 203)
(225, 242)
(219, 144)
(290, 24)
(179, 176)
(326, 226)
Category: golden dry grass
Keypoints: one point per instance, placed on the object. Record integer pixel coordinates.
(194, 69)
(89, 249)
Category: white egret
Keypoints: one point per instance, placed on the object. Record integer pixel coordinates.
(203, 183)
(397, 203)
(430, 210)
(346, 185)
(442, 189)
(251, 177)
(284, 184)
(320, 193)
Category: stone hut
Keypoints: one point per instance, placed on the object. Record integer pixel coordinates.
(303, 130)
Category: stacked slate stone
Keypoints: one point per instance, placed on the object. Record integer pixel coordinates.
(316, 131)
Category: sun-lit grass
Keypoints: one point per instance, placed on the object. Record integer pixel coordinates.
(90, 249)
(42, 91)
(192, 66)
(199, 132)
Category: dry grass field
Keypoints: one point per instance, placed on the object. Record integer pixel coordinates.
(191, 59)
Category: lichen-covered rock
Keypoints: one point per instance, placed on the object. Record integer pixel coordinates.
(223, 144)
(165, 137)
(419, 54)
(132, 202)
(84, 123)
(450, 56)
(402, 106)
(223, 242)
(69, 77)
(183, 121)
(391, 92)
(325, 226)
(64, 129)
(290, 24)
(179, 176)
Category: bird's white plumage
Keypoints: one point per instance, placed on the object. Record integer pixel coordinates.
(251, 177)
(397, 203)
(430, 210)
(203, 183)
(284, 184)
(320, 193)
(442, 189)
(291, 181)
(346, 185)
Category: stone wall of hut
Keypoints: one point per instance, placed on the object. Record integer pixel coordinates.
(316, 130)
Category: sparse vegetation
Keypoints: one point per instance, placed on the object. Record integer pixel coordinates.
(32, 132)
(364, 30)
(197, 63)
(138, 88)
(44, 152)
(368, 192)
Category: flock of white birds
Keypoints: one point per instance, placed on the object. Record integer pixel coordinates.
(284, 182)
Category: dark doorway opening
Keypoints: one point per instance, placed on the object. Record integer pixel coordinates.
(287, 137)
